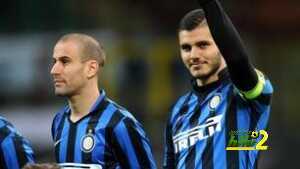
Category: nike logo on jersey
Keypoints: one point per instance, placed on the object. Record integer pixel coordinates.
(57, 142)
(188, 138)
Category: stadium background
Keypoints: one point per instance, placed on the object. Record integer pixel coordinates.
(144, 71)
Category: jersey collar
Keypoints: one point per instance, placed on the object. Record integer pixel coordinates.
(98, 102)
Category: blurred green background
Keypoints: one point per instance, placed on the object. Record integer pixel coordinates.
(144, 72)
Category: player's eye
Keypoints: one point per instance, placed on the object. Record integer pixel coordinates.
(64, 60)
(203, 44)
(186, 47)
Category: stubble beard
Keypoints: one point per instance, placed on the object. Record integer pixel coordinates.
(203, 76)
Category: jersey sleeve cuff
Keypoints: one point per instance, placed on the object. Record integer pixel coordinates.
(257, 90)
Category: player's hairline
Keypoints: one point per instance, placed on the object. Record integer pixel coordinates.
(191, 20)
(84, 41)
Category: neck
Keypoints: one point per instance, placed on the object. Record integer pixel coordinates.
(81, 103)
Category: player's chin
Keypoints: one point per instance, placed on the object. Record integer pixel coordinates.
(60, 92)
(198, 74)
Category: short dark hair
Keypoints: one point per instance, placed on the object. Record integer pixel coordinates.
(91, 48)
(192, 19)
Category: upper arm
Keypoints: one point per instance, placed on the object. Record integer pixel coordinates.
(16, 151)
(133, 145)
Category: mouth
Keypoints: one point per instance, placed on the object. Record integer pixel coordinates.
(58, 82)
(197, 65)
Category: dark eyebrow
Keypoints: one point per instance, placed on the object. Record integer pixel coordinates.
(204, 42)
(62, 58)
(185, 45)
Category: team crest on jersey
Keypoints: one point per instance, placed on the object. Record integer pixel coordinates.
(88, 143)
(214, 102)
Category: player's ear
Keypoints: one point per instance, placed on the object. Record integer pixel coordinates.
(92, 68)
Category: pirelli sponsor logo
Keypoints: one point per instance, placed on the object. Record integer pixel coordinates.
(190, 137)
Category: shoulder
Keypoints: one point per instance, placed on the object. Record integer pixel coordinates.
(4, 122)
(180, 104)
(58, 117)
(120, 111)
(60, 114)
(6, 126)
(8, 132)
(121, 118)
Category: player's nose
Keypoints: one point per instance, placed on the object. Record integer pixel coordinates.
(55, 69)
(195, 53)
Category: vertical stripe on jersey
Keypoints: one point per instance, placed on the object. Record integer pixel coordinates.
(81, 128)
(244, 122)
(123, 139)
(258, 120)
(184, 109)
(10, 154)
(94, 119)
(138, 144)
(103, 124)
(254, 118)
(112, 141)
(193, 121)
(2, 159)
(190, 159)
(71, 142)
(231, 125)
(58, 136)
(4, 132)
(169, 161)
(220, 138)
(208, 153)
(169, 156)
(63, 142)
(21, 154)
(180, 156)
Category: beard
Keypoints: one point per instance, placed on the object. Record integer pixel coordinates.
(206, 71)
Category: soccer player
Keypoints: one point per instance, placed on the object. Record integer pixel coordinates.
(15, 151)
(228, 95)
(92, 130)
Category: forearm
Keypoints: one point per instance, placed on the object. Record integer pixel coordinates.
(230, 45)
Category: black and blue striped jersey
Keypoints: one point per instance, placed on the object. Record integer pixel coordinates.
(108, 137)
(199, 127)
(15, 151)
